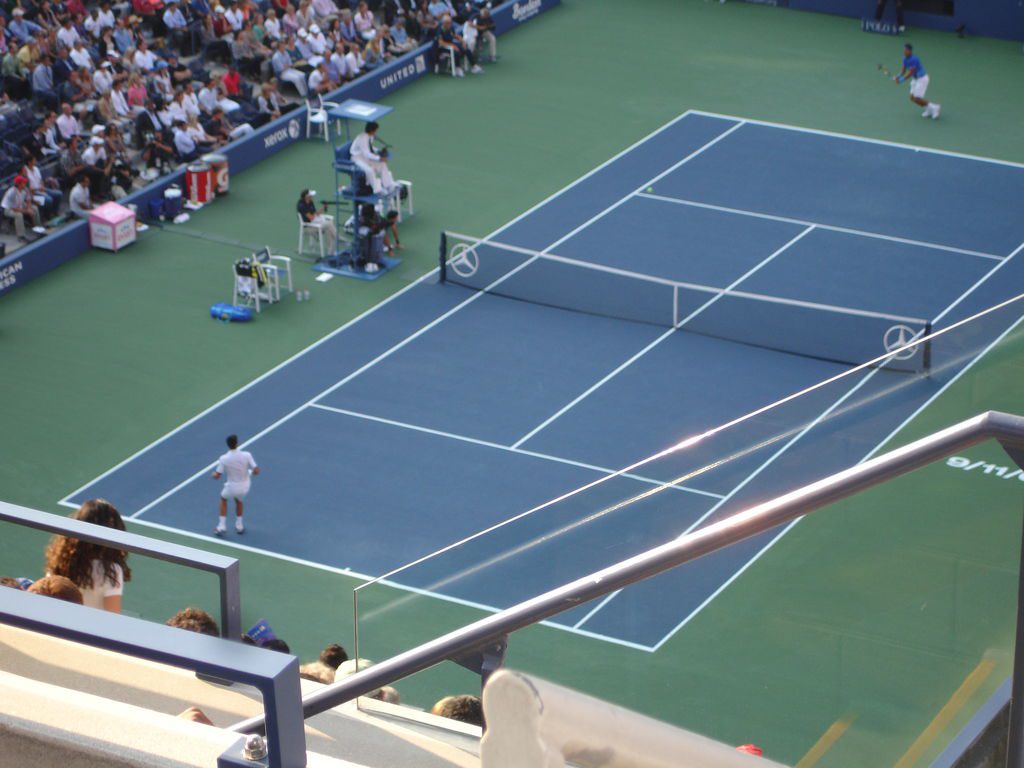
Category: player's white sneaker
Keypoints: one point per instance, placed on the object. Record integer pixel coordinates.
(239, 527)
(927, 111)
(936, 108)
(459, 72)
(220, 529)
(477, 69)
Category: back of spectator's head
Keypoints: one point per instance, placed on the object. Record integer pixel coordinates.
(75, 558)
(276, 644)
(351, 666)
(232, 441)
(333, 656)
(59, 587)
(9, 581)
(372, 126)
(194, 620)
(386, 694)
(464, 708)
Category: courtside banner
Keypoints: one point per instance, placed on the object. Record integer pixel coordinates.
(510, 15)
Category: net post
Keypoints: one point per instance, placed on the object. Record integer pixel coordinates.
(443, 264)
(926, 353)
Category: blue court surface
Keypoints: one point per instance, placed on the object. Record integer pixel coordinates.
(446, 409)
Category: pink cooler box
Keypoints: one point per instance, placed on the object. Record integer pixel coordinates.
(111, 226)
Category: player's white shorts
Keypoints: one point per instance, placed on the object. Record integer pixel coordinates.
(235, 491)
(918, 86)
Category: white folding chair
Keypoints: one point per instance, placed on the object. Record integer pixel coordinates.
(308, 229)
(252, 293)
(278, 266)
(316, 114)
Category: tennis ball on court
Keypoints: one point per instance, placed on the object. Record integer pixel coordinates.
(650, 189)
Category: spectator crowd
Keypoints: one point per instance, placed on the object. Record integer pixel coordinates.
(104, 97)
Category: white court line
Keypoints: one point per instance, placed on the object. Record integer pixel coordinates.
(829, 227)
(231, 544)
(582, 396)
(433, 323)
(370, 311)
(978, 284)
(510, 449)
(863, 139)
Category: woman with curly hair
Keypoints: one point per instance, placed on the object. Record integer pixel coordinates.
(100, 572)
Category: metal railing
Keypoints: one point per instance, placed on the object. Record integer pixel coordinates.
(224, 568)
(276, 675)
(481, 644)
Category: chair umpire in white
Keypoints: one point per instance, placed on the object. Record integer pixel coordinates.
(372, 163)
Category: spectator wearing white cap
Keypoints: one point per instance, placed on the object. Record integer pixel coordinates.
(22, 28)
(96, 153)
(306, 51)
(102, 78)
(317, 41)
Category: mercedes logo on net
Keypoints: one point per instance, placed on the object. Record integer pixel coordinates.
(899, 336)
(464, 260)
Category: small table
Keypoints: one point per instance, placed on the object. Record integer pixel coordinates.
(354, 109)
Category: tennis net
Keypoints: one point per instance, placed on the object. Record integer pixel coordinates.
(838, 334)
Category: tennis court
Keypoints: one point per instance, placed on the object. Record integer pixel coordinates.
(707, 271)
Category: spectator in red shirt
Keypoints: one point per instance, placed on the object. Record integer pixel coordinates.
(232, 81)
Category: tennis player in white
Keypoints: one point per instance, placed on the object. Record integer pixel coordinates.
(238, 467)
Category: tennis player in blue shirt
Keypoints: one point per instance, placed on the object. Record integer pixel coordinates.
(913, 70)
